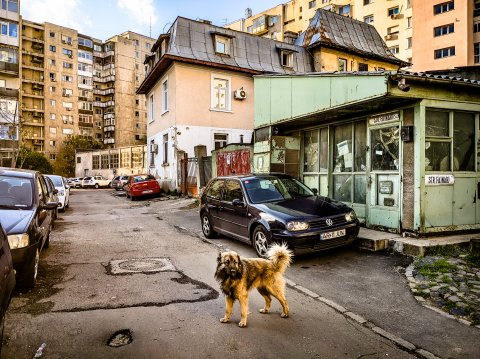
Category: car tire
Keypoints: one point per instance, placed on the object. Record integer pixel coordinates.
(261, 241)
(29, 274)
(132, 198)
(207, 228)
(96, 186)
(47, 240)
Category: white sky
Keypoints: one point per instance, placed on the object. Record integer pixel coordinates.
(102, 19)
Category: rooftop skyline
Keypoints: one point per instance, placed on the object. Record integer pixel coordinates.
(106, 18)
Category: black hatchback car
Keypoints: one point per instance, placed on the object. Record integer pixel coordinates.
(26, 214)
(7, 279)
(275, 208)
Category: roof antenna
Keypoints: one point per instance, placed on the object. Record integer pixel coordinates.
(150, 26)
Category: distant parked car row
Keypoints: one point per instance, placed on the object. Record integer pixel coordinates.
(89, 182)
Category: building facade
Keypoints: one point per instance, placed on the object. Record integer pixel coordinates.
(9, 79)
(400, 148)
(73, 84)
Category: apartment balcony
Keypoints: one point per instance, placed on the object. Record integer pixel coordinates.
(36, 137)
(34, 81)
(108, 141)
(33, 52)
(104, 79)
(7, 68)
(33, 94)
(110, 128)
(34, 39)
(6, 92)
(36, 122)
(104, 104)
(103, 54)
(8, 144)
(104, 92)
(109, 116)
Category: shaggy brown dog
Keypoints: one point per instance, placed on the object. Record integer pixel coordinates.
(237, 276)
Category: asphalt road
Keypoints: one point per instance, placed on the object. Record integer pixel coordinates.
(141, 267)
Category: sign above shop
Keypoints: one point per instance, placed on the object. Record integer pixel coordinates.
(385, 117)
(439, 180)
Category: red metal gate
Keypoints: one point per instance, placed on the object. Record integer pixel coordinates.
(234, 162)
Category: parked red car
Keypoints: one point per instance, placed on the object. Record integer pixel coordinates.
(141, 185)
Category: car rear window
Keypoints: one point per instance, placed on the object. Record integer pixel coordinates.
(142, 178)
(57, 181)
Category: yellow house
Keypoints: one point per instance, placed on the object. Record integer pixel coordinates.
(340, 43)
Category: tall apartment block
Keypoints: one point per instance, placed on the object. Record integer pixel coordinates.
(447, 34)
(73, 84)
(9, 79)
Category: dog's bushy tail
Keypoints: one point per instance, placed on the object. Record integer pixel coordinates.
(280, 256)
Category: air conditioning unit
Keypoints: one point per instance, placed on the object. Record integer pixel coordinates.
(240, 94)
(396, 16)
(69, 109)
(388, 37)
(153, 148)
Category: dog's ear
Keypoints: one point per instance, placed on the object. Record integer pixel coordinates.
(219, 258)
(238, 258)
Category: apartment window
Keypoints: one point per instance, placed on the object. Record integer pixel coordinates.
(52, 34)
(394, 49)
(476, 27)
(368, 19)
(53, 156)
(67, 52)
(10, 5)
(52, 89)
(53, 130)
(367, 2)
(286, 58)
(222, 44)
(409, 42)
(52, 116)
(52, 48)
(409, 4)
(67, 78)
(443, 7)
(392, 30)
(312, 4)
(220, 94)
(165, 148)
(52, 62)
(67, 92)
(219, 140)
(476, 9)
(67, 105)
(446, 52)
(342, 64)
(409, 22)
(53, 103)
(443, 30)
(85, 42)
(152, 108)
(3, 83)
(53, 77)
(249, 29)
(393, 11)
(66, 40)
(476, 53)
(147, 45)
(53, 143)
(165, 96)
(362, 67)
(343, 10)
(84, 55)
(67, 131)
(67, 65)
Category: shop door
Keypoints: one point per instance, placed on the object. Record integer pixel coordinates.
(383, 178)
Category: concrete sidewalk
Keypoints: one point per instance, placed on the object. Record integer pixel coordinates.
(377, 240)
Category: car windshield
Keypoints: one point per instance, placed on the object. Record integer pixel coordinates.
(269, 189)
(15, 192)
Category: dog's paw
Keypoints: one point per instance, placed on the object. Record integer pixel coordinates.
(225, 320)
(284, 315)
(263, 311)
(242, 324)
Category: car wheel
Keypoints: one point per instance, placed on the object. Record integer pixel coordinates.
(47, 240)
(29, 275)
(207, 228)
(132, 198)
(96, 186)
(261, 241)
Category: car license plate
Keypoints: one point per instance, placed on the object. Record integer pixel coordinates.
(334, 234)
(147, 191)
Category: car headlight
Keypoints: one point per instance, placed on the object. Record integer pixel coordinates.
(350, 216)
(18, 240)
(297, 226)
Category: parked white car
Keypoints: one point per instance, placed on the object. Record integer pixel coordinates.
(61, 185)
(95, 181)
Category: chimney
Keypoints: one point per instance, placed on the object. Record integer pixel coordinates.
(289, 37)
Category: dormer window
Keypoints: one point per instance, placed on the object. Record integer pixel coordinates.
(222, 44)
(286, 58)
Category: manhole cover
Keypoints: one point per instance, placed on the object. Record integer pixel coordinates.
(142, 265)
(120, 338)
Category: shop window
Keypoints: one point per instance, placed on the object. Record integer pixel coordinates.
(447, 151)
(384, 153)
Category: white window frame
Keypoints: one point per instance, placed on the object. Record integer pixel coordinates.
(151, 113)
(222, 142)
(214, 91)
(165, 148)
(225, 42)
(286, 58)
(165, 95)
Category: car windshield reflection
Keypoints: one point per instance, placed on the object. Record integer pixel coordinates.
(15, 192)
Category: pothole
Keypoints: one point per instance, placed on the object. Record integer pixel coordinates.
(120, 338)
(141, 265)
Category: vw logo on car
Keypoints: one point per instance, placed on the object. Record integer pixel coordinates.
(329, 222)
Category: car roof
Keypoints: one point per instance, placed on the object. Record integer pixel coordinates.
(254, 175)
(17, 172)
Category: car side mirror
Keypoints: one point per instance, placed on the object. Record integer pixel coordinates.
(67, 187)
(238, 202)
(49, 205)
(315, 191)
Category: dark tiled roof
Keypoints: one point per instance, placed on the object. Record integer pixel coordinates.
(194, 40)
(344, 33)
(447, 78)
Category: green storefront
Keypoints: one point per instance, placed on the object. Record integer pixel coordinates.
(401, 148)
